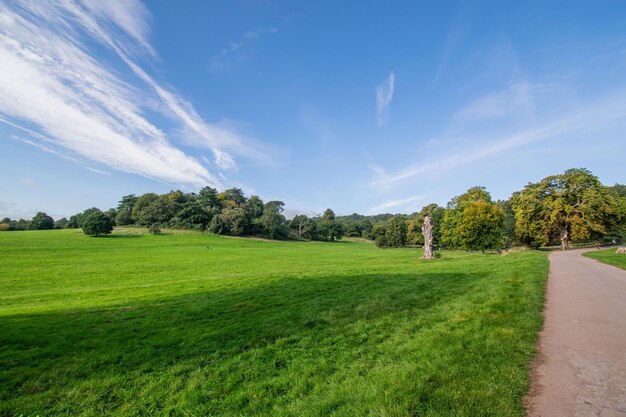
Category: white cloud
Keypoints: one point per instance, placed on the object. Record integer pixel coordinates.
(405, 202)
(235, 51)
(592, 116)
(384, 95)
(517, 98)
(52, 83)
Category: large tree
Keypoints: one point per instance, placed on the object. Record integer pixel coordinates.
(481, 226)
(395, 232)
(41, 221)
(97, 224)
(560, 208)
(453, 215)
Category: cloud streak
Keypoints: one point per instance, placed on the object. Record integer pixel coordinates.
(54, 86)
(592, 116)
(384, 95)
(396, 203)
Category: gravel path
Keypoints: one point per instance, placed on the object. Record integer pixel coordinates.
(580, 367)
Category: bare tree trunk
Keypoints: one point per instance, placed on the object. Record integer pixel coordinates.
(564, 239)
(427, 231)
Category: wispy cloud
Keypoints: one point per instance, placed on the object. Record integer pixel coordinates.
(53, 83)
(517, 98)
(459, 30)
(402, 203)
(592, 116)
(384, 95)
(237, 51)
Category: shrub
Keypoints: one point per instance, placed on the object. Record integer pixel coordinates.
(97, 224)
(155, 229)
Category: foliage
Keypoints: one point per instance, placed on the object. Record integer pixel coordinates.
(272, 222)
(97, 224)
(154, 229)
(395, 232)
(158, 325)
(415, 223)
(452, 219)
(573, 205)
(41, 221)
(304, 227)
(481, 226)
(61, 223)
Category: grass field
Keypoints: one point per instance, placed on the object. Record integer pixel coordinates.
(192, 324)
(608, 256)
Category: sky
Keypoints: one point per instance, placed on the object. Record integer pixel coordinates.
(367, 107)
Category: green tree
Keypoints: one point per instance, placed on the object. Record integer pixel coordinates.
(233, 197)
(570, 206)
(141, 203)
(41, 221)
(273, 223)
(395, 233)
(379, 235)
(303, 226)
(453, 215)
(97, 224)
(61, 223)
(234, 221)
(159, 210)
(481, 226)
(125, 210)
(329, 228)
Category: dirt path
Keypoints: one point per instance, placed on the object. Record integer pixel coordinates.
(580, 369)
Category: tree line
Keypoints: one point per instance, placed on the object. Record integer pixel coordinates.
(572, 206)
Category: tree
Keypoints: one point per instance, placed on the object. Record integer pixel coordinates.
(233, 197)
(141, 203)
(159, 210)
(273, 223)
(395, 233)
(453, 215)
(481, 226)
(97, 224)
(234, 220)
(427, 232)
(41, 221)
(379, 235)
(570, 206)
(328, 215)
(125, 210)
(414, 231)
(304, 227)
(61, 223)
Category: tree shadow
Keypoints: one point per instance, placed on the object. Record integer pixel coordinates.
(234, 336)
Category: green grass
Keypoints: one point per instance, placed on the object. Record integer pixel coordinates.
(608, 256)
(160, 325)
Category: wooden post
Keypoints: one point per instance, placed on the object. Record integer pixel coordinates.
(427, 231)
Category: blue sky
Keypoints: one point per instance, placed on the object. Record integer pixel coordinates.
(359, 106)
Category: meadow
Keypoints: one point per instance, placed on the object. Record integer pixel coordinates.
(190, 324)
(608, 256)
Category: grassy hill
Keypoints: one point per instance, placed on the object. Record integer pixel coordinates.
(193, 324)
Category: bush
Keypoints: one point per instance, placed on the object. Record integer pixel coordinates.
(97, 224)
(155, 229)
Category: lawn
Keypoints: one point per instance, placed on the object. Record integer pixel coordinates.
(191, 324)
(608, 256)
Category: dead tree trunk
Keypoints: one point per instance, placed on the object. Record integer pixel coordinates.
(564, 239)
(427, 231)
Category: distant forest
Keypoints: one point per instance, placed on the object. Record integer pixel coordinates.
(570, 207)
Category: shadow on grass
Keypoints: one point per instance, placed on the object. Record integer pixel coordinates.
(232, 334)
(122, 236)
